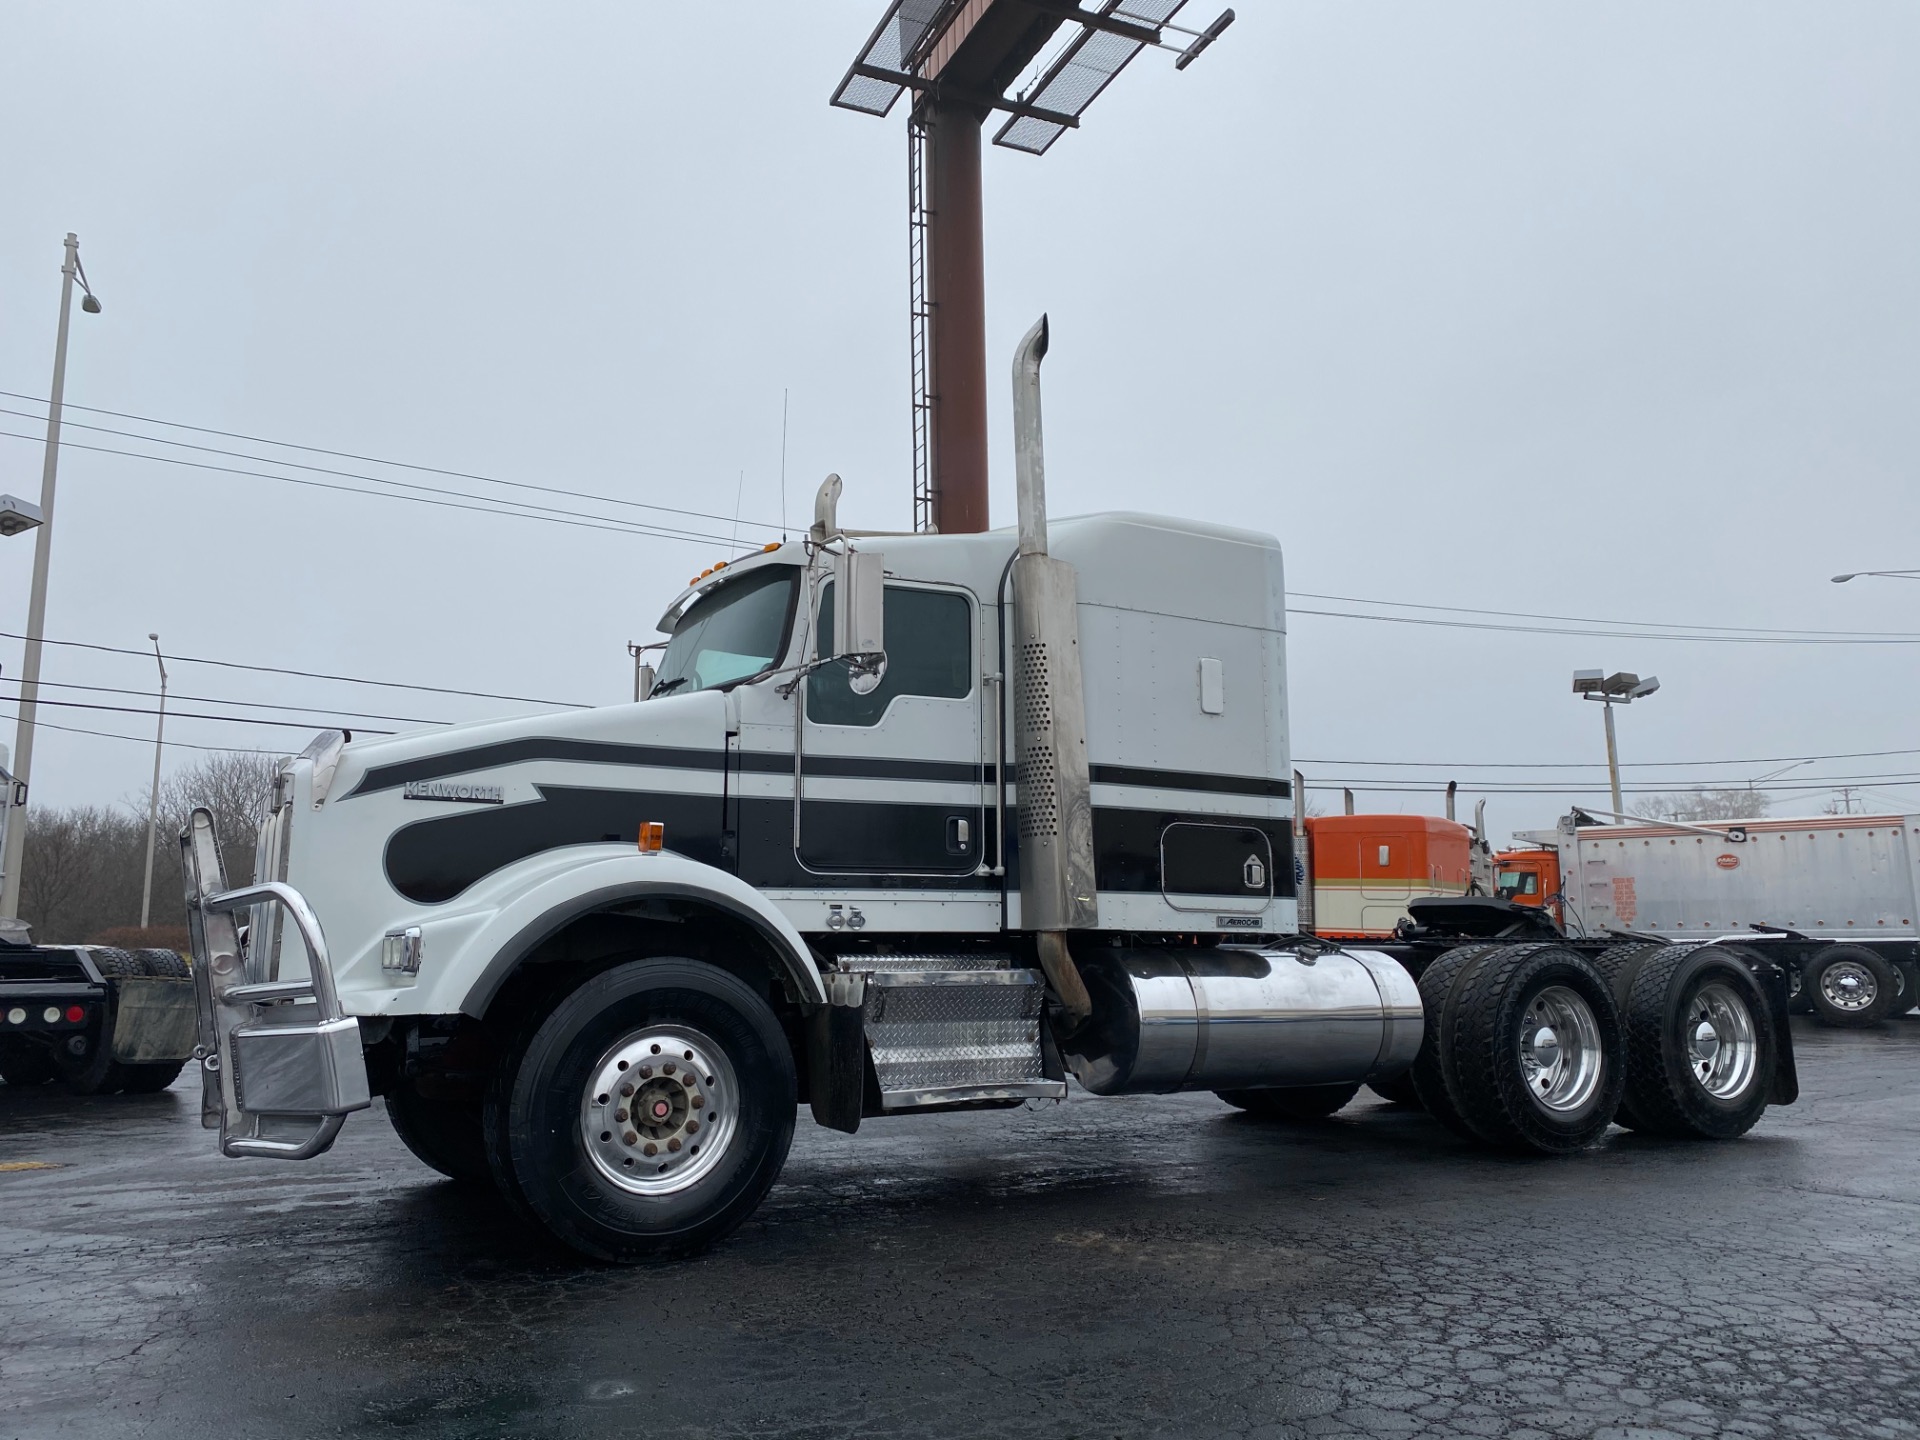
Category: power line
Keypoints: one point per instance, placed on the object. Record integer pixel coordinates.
(1890, 638)
(573, 519)
(320, 450)
(143, 740)
(184, 714)
(304, 674)
(322, 710)
(1445, 765)
(1589, 620)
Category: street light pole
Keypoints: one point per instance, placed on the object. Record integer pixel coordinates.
(153, 800)
(37, 604)
(1613, 757)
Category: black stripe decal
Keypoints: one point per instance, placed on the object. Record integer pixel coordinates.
(517, 752)
(1192, 780)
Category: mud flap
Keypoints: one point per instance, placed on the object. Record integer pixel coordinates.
(155, 1020)
(1772, 979)
(837, 1054)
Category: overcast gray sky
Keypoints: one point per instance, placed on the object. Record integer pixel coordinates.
(1583, 310)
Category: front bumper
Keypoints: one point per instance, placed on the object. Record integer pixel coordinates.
(281, 1063)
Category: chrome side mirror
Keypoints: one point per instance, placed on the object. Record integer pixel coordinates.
(859, 617)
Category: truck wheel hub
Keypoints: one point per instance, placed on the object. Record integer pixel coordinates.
(1848, 986)
(660, 1110)
(1722, 1051)
(1560, 1056)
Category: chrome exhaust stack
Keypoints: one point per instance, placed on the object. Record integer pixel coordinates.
(1057, 887)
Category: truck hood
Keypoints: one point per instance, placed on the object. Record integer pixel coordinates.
(615, 733)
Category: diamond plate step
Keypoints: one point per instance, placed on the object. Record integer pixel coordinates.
(942, 1036)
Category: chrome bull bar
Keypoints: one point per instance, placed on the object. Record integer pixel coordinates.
(281, 1064)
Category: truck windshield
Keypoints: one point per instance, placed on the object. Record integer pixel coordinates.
(731, 634)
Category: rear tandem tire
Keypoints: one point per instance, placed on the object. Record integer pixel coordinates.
(444, 1133)
(1908, 1000)
(1620, 967)
(1851, 987)
(601, 1193)
(1440, 984)
(1296, 1103)
(1537, 1054)
(1700, 1045)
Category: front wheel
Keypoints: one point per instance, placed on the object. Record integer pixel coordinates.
(648, 1115)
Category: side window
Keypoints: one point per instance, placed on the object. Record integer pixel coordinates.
(929, 637)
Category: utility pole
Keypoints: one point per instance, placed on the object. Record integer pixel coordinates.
(37, 604)
(153, 800)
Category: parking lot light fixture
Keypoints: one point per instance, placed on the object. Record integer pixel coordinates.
(1622, 687)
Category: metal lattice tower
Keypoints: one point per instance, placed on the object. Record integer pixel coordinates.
(919, 320)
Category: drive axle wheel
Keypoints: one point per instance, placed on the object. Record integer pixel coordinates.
(1851, 987)
(1907, 972)
(1441, 985)
(1297, 1102)
(94, 1071)
(1700, 1046)
(1536, 1055)
(647, 1115)
(23, 1062)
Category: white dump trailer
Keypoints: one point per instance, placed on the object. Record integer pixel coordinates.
(1836, 896)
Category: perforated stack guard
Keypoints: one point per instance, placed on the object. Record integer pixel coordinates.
(1055, 796)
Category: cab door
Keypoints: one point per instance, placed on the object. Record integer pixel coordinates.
(890, 783)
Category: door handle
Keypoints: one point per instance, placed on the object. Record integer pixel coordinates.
(959, 835)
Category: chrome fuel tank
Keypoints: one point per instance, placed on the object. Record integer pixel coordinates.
(1231, 1018)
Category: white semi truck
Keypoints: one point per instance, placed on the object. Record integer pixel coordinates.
(906, 824)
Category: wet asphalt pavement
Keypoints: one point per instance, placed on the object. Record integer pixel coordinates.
(1126, 1267)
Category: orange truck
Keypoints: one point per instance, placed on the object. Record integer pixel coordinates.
(1364, 870)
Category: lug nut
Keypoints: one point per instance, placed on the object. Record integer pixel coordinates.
(631, 1138)
(699, 1102)
(651, 1150)
(645, 1070)
(667, 1069)
(673, 1144)
(693, 1127)
(626, 1089)
(620, 1115)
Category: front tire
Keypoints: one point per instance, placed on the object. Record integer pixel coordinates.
(445, 1133)
(650, 1112)
(1851, 987)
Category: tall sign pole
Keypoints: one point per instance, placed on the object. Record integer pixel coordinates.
(958, 59)
(957, 378)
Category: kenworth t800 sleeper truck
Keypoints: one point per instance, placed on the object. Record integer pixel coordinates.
(919, 824)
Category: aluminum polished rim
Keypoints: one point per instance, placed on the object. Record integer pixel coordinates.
(1721, 1049)
(660, 1110)
(1849, 985)
(1560, 1053)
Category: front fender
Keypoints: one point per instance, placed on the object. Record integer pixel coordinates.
(473, 965)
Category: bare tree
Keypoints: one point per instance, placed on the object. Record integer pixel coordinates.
(81, 875)
(1734, 803)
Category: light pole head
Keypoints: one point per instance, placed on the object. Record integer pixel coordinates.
(154, 635)
(1645, 688)
(1586, 682)
(89, 303)
(17, 515)
(1842, 579)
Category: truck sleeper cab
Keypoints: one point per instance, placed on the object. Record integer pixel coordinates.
(908, 823)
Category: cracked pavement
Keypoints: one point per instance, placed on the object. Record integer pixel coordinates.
(1141, 1266)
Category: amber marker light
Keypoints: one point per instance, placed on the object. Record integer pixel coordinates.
(653, 835)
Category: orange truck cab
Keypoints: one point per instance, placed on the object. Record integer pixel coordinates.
(1365, 868)
(1529, 877)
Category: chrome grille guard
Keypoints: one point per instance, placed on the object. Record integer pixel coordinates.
(275, 1055)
